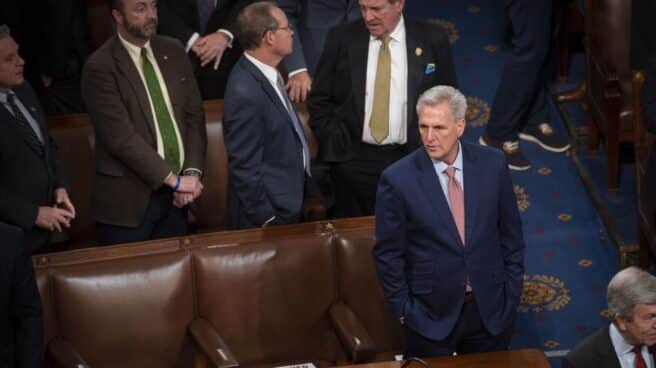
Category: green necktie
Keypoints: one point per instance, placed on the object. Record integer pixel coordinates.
(164, 121)
(379, 123)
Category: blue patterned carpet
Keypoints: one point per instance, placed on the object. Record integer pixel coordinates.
(569, 257)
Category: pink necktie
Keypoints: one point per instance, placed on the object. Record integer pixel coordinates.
(457, 201)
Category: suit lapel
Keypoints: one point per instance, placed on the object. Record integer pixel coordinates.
(358, 54)
(266, 86)
(471, 196)
(34, 112)
(430, 183)
(130, 72)
(413, 42)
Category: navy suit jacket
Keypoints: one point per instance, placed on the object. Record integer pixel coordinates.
(421, 262)
(21, 324)
(595, 351)
(265, 161)
(311, 20)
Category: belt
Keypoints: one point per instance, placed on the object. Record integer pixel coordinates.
(384, 147)
(469, 297)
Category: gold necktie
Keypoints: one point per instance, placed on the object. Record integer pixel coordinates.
(379, 123)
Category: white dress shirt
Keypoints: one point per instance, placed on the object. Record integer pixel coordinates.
(135, 54)
(398, 88)
(624, 352)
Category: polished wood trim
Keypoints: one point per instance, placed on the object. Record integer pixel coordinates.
(503, 359)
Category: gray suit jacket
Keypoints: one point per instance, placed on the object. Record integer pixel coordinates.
(311, 21)
(127, 166)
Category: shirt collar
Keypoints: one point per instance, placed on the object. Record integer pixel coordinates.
(398, 34)
(621, 346)
(134, 50)
(269, 72)
(440, 166)
(3, 96)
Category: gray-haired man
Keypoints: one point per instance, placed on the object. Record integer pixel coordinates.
(625, 342)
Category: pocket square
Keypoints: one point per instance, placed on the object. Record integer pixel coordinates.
(430, 68)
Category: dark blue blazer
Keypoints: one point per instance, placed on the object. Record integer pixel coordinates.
(21, 324)
(421, 262)
(265, 161)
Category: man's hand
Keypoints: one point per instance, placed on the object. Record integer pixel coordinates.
(63, 201)
(190, 184)
(299, 86)
(211, 48)
(52, 218)
(182, 199)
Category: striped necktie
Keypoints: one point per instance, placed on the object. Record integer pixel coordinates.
(31, 136)
(298, 127)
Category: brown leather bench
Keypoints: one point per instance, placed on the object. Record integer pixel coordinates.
(305, 293)
(74, 137)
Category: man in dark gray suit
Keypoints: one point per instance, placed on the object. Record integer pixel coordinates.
(141, 94)
(626, 342)
(33, 193)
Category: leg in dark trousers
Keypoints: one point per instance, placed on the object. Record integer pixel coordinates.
(468, 336)
(161, 220)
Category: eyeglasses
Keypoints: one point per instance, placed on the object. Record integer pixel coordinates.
(288, 29)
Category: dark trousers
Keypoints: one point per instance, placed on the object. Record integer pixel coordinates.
(468, 336)
(521, 97)
(161, 220)
(356, 181)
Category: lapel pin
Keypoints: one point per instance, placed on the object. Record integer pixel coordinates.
(419, 51)
(166, 57)
(430, 68)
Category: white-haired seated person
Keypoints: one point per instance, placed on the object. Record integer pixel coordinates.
(627, 340)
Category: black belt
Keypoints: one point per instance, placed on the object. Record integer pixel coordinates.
(384, 147)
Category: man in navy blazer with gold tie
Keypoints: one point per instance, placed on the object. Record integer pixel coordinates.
(449, 249)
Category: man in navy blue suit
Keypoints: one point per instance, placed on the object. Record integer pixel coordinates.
(449, 249)
(268, 155)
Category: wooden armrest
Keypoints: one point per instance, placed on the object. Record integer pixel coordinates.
(352, 333)
(64, 354)
(212, 344)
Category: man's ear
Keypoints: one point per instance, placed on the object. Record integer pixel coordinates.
(118, 17)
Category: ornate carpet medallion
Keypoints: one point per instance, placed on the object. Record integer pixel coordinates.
(543, 292)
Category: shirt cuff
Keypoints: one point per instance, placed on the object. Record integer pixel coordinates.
(229, 34)
(192, 41)
(293, 73)
(192, 169)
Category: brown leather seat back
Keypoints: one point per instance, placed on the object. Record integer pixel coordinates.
(609, 32)
(73, 135)
(45, 291)
(130, 312)
(360, 290)
(269, 300)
